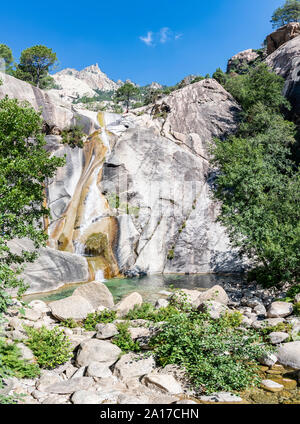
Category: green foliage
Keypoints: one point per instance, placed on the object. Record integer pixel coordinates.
(148, 312)
(125, 93)
(73, 136)
(12, 364)
(95, 318)
(293, 291)
(50, 347)
(297, 309)
(170, 255)
(6, 55)
(258, 183)
(24, 166)
(220, 76)
(35, 63)
(124, 341)
(70, 323)
(289, 12)
(216, 355)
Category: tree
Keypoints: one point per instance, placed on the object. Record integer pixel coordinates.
(258, 183)
(24, 167)
(35, 63)
(126, 93)
(289, 12)
(6, 55)
(219, 76)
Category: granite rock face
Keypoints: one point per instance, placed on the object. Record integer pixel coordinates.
(285, 61)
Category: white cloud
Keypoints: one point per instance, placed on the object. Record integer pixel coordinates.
(164, 35)
(148, 39)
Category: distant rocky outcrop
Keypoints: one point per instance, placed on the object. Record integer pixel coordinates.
(285, 61)
(73, 84)
(282, 35)
(242, 59)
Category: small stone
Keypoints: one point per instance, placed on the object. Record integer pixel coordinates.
(132, 365)
(106, 331)
(297, 298)
(79, 373)
(137, 332)
(271, 386)
(32, 314)
(268, 359)
(278, 337)
(70, 386)
(99, 370)
(39, 305)
(26, 353)
(280, 309)
(221, 397)
(86, 397)
(289, 384)
(260, 310)
(161, 303)
(162, 382)
(214, 309)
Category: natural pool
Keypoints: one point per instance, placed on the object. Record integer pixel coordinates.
(148, 286)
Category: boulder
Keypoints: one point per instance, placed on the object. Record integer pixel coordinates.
(282, 35)
(96, 293)
(278, 337)
(269, 359)
(128, 303)
(161, 303)
(75, 307)
(162, 382)
(214, 309)
(46, 380)
(32, 314)
(270, 322)
(138, 332)
(132, 366)
(52, 269)
(86, 397)
(39, 305)
(99, 370)
(280, 309)
(70, 386)
(289, 354)
(95, 350)
(216, 293)
(106, 331)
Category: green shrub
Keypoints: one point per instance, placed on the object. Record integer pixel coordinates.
(74, 137)
(70, 323)
(216, 355)
(95, 318)
(50, 347)
(148, 312)
(12, 364)
(297, 309)
(124, 341)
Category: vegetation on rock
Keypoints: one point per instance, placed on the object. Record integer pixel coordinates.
(258, 181)
(50, 347)
(289, 12)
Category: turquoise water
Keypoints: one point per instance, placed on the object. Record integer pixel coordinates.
(149, 286)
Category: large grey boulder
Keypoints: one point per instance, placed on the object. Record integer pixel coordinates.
(106, 331)
(214, 309)
(95, 350)
(163, 382)
(76, 307)
(96, 293)
(216, 293)
(128, 303)
(289, 354)
(132, 366)
(52, 269)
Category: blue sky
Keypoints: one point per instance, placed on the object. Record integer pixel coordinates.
(157, 40)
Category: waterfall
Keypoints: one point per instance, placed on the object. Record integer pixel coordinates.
(99, 276)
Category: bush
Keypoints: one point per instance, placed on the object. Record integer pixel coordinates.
(50, 347)
(124, 341)
(74, 137)
(148, 312)
(215, 354)
(95, 318)
(12, 364)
